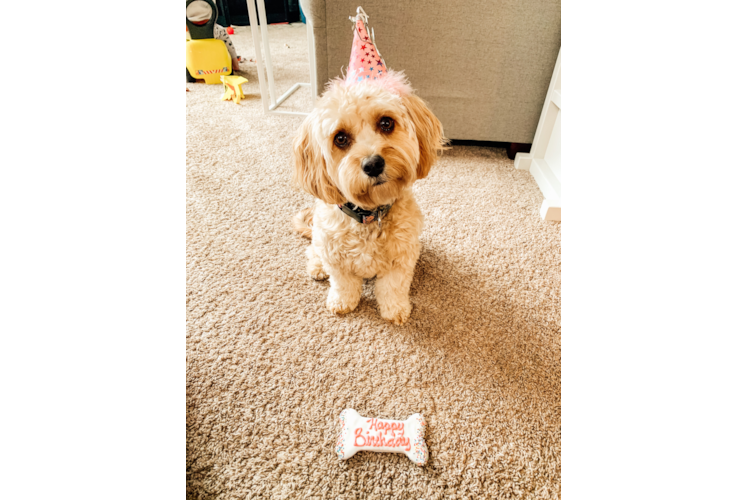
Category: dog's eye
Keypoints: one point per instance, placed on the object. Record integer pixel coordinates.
(341, 139)
(386, 124)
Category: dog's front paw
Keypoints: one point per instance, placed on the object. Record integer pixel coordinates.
(314, 266)
(340, 304)
(315, 270)
(397, 313)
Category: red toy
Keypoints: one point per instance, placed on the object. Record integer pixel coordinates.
(230, 30)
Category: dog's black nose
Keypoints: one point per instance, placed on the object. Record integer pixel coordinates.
(373, 165)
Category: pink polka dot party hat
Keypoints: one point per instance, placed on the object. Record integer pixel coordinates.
(365, 64)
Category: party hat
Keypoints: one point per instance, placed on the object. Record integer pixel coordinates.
(365, 62)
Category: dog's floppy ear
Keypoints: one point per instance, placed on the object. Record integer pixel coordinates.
(310, 168)
(429, 132)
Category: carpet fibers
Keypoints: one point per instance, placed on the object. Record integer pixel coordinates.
(269, 368)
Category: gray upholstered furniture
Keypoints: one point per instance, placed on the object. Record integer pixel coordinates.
(483, 67)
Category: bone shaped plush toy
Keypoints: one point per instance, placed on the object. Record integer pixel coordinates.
(373, 434)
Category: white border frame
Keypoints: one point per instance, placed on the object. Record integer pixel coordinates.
(568, 247)
(182, 258)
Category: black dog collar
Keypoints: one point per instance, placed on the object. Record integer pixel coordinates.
(365, 216)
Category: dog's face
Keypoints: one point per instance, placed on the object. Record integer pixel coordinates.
(365, 143)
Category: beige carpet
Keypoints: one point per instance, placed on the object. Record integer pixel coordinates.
(269, 368)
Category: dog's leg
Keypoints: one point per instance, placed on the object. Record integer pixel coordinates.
(345, 291)
(392, 290)
(314, 265)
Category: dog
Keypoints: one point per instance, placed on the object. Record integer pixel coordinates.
(359, 153)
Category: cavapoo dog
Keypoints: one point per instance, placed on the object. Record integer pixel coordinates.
(359, 153)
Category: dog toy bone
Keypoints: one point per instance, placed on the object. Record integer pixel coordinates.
(359, 433)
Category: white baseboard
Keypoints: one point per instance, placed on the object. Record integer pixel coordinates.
(522, 161)
(544, 159)
(549, 212)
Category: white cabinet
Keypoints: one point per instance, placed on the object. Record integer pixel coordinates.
(544, 159)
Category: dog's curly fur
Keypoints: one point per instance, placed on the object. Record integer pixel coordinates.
(342, 248)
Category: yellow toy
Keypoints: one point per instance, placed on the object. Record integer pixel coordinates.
(232, 88)
(207, 58)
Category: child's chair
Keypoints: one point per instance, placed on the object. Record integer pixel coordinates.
(207, 58)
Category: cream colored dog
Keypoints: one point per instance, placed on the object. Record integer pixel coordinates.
(359, 153)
